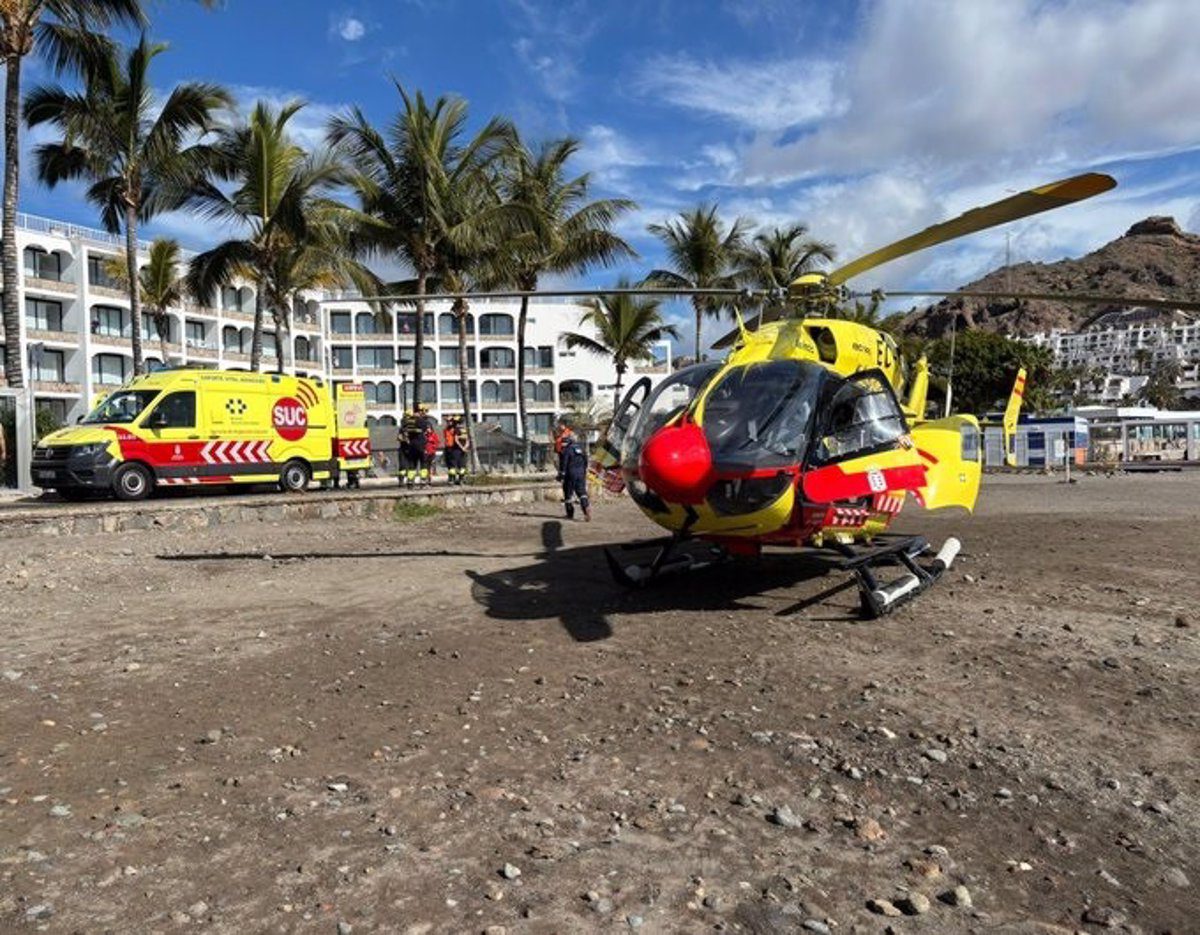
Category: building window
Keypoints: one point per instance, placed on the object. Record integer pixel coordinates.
(98, 274)
(452, 392)
(304, 349)
(406, 322)
(541, 391)
(372, 323)
(39, 264)
(377, 358)
(498, 358)
(574, 391)
(448, 324)
(339, 322)
(496, 324)
(52, 367)
(408, 355)
(539, 357)
(382, 393)
(507, 422)
(111, 321)
(110, 369)
(57, 409)
(429, 392)
(42, 315)
(194, 333)
(499, 391)
(343, 358)
(539, 423)
(269, 346)
(448, 357)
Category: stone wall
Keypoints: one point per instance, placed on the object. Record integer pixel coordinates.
(202, 513)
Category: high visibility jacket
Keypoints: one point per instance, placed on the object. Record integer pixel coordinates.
(431, 441)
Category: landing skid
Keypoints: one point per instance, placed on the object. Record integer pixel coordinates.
(668, 560)
(876, 599)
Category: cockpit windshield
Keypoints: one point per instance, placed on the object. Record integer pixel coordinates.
(121, 408)
(665, 402)
(761, 414)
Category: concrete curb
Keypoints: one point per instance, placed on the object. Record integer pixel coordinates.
(205, 512)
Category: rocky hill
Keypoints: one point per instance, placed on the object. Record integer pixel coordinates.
(1154, 258)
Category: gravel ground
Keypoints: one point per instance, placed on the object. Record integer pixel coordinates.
(457, 723)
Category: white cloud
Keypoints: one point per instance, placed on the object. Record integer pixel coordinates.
(773, 96)
(351, 29)
(307, 127)
(956, 85)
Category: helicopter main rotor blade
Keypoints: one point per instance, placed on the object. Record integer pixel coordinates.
(1034, 201)
(408, 298)
(1066, 298)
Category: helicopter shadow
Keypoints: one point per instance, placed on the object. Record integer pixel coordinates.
(574, 586)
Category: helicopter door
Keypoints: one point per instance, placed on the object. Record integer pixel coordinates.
(606, 456)
(952, 452)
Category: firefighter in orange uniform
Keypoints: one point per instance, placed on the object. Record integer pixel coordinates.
(455, 450)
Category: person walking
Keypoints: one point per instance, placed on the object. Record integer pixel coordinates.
(572, 472)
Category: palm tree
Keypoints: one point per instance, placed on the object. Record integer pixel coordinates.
(277, 191)
(774, 259)
(323, 260)
(70, 34)
(139, 158)
(568, 234)
(406, 178)
(626, 327)
(703, 255)
(161, 284)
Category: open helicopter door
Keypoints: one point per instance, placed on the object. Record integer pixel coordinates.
(952, 453)
(606, 456)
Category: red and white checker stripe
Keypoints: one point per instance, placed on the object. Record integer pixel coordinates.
(177, 481)
(236, 452)
(846, 516)
(354, 447)
(888, 503)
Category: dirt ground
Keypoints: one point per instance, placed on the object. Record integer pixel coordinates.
(460, 724)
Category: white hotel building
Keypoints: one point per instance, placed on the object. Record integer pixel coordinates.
(76, 323)
(1127, 344)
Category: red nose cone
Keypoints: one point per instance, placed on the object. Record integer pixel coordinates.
(676, 463)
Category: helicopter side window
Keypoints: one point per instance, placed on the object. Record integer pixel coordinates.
(863, 417)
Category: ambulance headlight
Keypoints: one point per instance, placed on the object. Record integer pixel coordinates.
(89, 451)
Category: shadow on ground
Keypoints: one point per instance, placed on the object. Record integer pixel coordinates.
(575, 586)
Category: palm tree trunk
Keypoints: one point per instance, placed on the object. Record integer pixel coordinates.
(256, 338)
(283, 336)
(699, 315)
(163, 325)
(13, 364)
(277, 317)
(135, 298)
(464, 385)
(418, 370)
(617, 388)
(521, 423)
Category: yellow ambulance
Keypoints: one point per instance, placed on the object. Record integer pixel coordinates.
(207, 427)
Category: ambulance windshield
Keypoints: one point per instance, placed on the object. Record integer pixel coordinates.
(121, 408)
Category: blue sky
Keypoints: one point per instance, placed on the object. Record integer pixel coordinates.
(865, 120)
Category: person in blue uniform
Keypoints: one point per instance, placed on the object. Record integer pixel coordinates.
(572, 472)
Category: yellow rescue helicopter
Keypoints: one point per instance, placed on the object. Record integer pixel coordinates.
(812, 432)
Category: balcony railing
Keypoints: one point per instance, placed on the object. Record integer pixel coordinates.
(49, 285)
(55, 386)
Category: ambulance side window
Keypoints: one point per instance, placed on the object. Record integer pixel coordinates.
(176, 411)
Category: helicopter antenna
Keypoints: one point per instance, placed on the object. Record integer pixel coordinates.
(950, 372)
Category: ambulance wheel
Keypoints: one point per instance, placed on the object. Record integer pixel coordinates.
(132, 481)
(294, 477)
